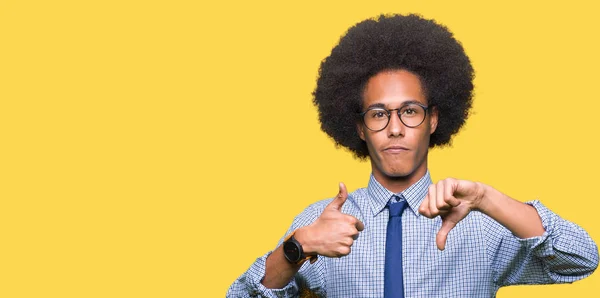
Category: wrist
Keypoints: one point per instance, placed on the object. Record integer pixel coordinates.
(302, 235)
(483, 203)
(293, 250)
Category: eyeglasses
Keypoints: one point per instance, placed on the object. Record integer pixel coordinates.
(411, 115)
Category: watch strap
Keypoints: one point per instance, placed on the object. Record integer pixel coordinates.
(303, 257)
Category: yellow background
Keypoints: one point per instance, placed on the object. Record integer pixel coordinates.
(156, 148)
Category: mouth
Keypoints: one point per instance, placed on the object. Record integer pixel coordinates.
(395, 149)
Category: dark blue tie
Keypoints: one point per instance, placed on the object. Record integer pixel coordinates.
(393, 280)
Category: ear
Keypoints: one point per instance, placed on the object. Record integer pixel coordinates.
(433, 119)
(360, 129)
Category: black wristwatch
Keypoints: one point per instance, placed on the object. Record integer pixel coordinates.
(292, 250)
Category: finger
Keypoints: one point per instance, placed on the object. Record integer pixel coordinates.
(340, 199)
(440, 200)
(433, 211)
(444, 212)
(424, 208)
(442, 235)
(343, 251)
(356, 233)
(345, 241)
(359, 225)
(449, 191)
(350, 241)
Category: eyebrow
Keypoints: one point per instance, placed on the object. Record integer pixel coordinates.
(380, 105)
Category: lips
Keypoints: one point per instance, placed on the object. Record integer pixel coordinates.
(395, 149)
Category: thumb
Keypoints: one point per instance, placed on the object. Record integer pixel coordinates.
(340, 199)
(442, 234)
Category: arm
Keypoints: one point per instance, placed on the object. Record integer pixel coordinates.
(519, 218)
(453, 199)
(330, 233)
(564, 253)
(526, 243)
(251, 282)
(279, 271)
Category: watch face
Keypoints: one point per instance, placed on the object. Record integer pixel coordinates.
(291, 251)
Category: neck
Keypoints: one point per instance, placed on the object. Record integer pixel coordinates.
(400, 183)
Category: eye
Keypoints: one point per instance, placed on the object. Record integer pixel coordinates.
(377, 114)
(410, 111)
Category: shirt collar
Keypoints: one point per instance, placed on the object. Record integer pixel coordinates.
(414, 194)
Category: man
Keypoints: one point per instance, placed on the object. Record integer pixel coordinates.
(392, 88)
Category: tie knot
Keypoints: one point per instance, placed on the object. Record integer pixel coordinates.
(396, 208)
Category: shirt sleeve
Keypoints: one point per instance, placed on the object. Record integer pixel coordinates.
(309, 279)
(249, 284)
(563, 254)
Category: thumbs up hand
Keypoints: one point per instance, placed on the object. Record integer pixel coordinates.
(333, 233)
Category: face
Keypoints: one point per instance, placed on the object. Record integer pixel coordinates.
(397, 152)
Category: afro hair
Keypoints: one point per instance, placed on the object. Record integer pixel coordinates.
(391, 42)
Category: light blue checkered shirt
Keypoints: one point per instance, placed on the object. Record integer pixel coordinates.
(480, 256)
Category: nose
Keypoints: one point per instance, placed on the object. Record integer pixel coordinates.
(395, 127)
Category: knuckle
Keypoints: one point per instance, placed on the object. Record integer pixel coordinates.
(451, 200)
(352, 220)
(350, 230)
(344, 251)
(349, 241)
(433, 205)
(441, 205)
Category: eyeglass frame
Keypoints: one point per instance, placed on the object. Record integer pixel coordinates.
(389, 115)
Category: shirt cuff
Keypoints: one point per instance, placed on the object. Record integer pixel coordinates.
(554, 238)
(543, 246)
(567, 251)
(256, 289)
